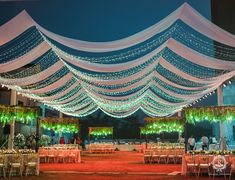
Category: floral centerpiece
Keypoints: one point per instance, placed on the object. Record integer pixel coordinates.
(8, 151)
(45, 140)
(26, 151)
(19, 141)
(214, 152)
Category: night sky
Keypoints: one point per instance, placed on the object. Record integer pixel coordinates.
(97, 20)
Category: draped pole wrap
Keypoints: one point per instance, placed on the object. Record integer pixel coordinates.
(11, 136)
(220, 103)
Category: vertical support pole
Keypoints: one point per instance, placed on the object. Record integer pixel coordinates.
(89, 135)
(60, 133)
(185, 137)
(220, 103)
(146, 141)
(37, 134)
(43, 111)
(179, 115)
(112, 133)
(12, 124)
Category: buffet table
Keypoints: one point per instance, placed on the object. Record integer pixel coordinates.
(128, 147)
(110, 148)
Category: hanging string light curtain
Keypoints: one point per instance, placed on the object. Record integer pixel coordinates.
(211, 113)
(159, 70)
(18, 113)
(100, 131)
(63, 125)
(159, 125)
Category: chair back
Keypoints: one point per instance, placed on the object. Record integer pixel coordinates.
(203, 159)
(148, 152)
(189, 159)
(32, 157)
(16, 158)
(163, 152)
(2, 159)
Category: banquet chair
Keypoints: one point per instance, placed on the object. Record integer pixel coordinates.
(232, 168)
(31, 163)
(3, 164)
(66, 156)
(72, 156)
(171, 156)
(43, 155)
(60, 156)
(163, 156)
(147, 156)
(203, 164)
(15, 164)
(191, 164)
(229, 161)
(179, 155)
(51, 155)
(155, 155)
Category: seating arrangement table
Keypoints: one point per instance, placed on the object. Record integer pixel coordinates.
(163, 153)
(59, 154)
(101, 148)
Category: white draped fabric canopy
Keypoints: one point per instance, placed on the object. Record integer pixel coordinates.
(160, 70)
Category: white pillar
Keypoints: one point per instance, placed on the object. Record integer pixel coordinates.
(60, 116)
(179, 115)
(12, 124)
(43, 111)
(220, 103)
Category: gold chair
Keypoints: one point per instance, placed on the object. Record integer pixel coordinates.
(163, 156)
(60, 156)
(203, 161)
(66, 156)
(191, 164)
(147, 156)
(31, 163)
(232, 167)
(179, 154)
(43, 155)
(51, 155)
(3, 164)
(171, 156)
(16, 164)
(72, 156)
(155, 155)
